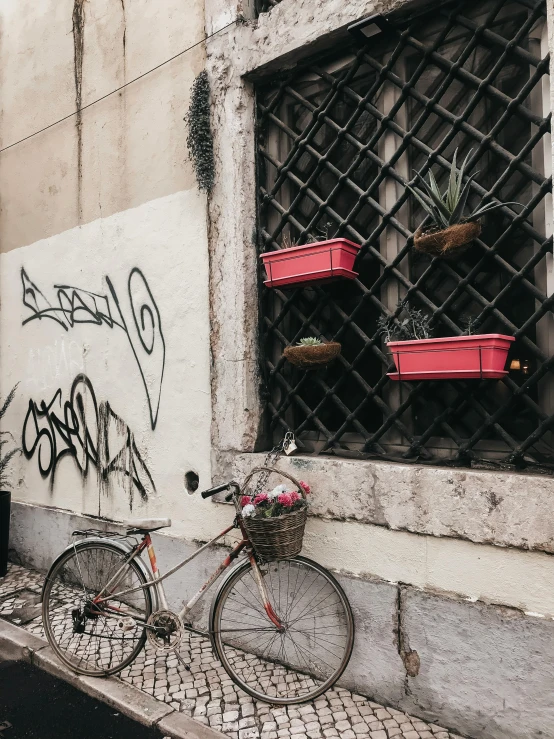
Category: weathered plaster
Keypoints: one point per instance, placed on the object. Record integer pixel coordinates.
(166, 240)
(502, 508)
(78, 29)
(233, 268)
(439, 529)
(487, 672)
(123, 151)
(475, 571)
(291, 30)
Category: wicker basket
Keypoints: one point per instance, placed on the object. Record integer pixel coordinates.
(309, 357)
(448, 241)
(280, 537)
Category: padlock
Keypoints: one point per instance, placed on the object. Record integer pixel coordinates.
(289, 444)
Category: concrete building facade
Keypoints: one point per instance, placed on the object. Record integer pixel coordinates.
(129, 321)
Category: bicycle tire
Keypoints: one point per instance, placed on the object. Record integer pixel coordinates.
(68, 595)
(225, 650)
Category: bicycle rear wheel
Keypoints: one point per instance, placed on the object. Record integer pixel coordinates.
(94, 640)
(303, 660)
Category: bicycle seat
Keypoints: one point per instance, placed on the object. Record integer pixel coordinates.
(144, 525)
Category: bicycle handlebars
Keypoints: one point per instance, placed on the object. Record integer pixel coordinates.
(213, 491)
(219, 489)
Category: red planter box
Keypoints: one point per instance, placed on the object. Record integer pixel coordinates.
(309, 263)
(452, 358)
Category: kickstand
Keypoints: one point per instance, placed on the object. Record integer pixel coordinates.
(181, 660)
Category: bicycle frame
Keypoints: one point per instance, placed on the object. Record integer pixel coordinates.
(107, 593)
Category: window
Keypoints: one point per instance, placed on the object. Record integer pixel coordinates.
(338, 140)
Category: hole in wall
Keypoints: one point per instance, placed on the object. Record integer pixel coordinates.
(191, 481)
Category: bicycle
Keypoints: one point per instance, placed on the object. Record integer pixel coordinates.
(283, 630)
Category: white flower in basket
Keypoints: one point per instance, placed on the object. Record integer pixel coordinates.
(277, 491)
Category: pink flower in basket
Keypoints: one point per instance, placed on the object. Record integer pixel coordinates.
(245, 500)
(261, 498)
(295, 497)
(305, 487)
(285, 499)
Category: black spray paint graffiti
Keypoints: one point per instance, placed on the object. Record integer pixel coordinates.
(76, 306)
(91, 433)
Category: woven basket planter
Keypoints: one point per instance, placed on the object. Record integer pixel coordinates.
(280, 537)
(448, 241)
(309, 357)
(277, 538)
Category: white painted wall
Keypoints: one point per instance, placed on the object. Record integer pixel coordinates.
(166, 240)
(490, 574)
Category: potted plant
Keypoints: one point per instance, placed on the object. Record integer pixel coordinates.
(450, 231)
(320, 260)
(5, 494)
(417, 356)
(311, 352)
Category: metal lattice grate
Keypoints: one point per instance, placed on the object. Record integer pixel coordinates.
(264, 6)
(339, 140)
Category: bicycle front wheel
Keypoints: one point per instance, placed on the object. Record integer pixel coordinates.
(303, 659)
(95, 639)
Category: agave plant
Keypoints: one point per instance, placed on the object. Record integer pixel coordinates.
(5, 458)
(447, 209)
(309, 341)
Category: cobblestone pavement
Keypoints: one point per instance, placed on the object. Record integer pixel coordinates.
(209, 695)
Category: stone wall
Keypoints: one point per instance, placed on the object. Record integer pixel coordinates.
(459, 560)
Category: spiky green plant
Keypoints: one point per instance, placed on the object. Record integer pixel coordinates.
(5, 458)
(470, 324)
(410, 323)
(447, 209)
(310, 341)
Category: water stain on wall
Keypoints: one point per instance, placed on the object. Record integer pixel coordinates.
(78, 26)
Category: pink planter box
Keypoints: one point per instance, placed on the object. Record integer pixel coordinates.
(319, 262)
(452, 358)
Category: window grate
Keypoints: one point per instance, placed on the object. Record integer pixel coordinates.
(264, 6)
(339, 139)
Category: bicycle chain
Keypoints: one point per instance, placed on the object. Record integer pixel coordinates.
(271, 459)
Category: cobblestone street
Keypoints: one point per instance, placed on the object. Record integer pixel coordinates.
(209, 696)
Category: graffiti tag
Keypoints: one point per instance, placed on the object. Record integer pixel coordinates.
(73, 305)
(89, 432)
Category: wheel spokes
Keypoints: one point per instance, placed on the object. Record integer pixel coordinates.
(292, 663)
(91, 641)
